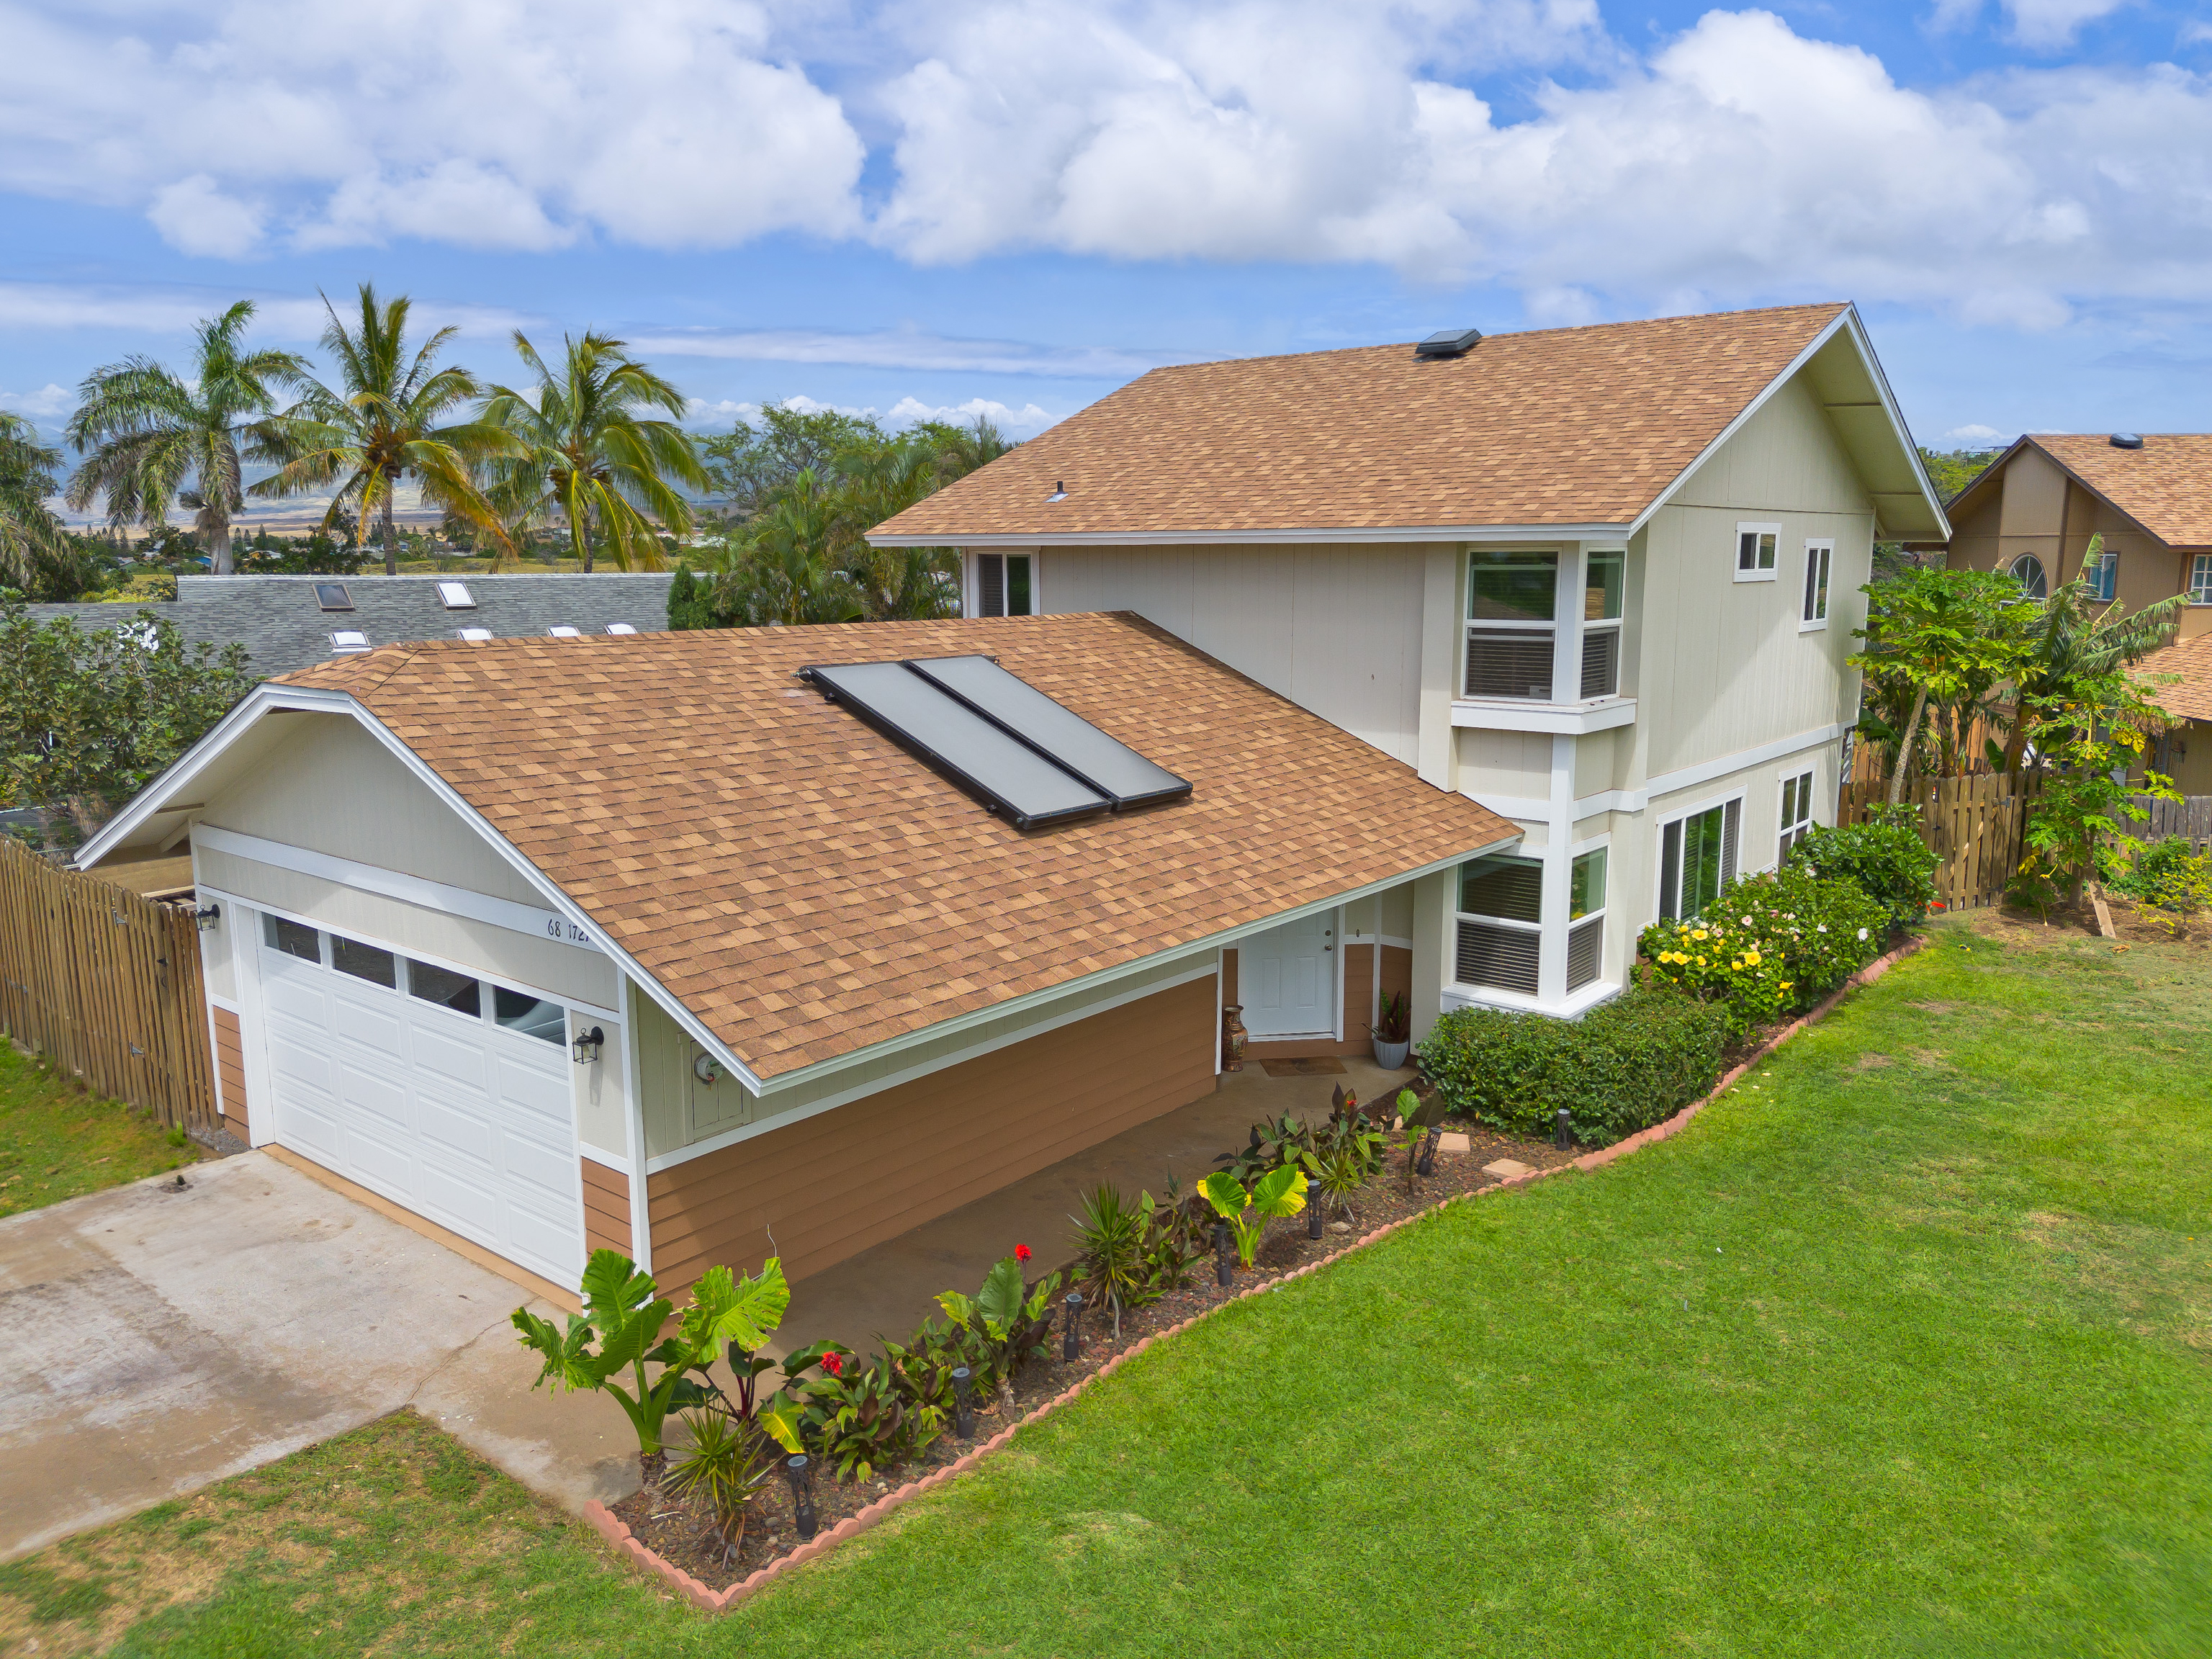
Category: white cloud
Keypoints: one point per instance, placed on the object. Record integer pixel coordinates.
(893, 348)
(1026, 419)
(46, 307)
(48, 400)
(194, 216)
(2049, 25)
(1973, 433)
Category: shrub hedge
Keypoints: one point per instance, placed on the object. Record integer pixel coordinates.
(1621, 1067)
(1888, 862)
(1771, 945)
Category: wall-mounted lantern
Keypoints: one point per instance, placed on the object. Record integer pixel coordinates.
(585, 1047)
(207, 916)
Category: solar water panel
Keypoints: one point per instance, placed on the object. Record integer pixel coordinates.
(1106, 763)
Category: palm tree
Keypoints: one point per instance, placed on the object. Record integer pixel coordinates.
(975, 445)
(28, 528)
(586, 450)
(779, 568)
(2070, 644)
(145, 430)
(384, 426)
(897, 583)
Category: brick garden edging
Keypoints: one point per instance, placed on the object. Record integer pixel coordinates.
(626, 1546)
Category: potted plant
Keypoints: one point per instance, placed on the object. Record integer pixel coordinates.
(1393, 1031)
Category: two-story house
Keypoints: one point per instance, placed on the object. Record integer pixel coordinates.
(1602, 580)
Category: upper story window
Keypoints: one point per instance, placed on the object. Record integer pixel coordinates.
(1602, 581)
(1755, 545)
(2028, 571)
(1512, 626)
(1819, 557)
(2200, 580)
(1698, 858)
(1005, 585)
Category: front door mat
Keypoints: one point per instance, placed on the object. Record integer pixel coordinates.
(1303, 1068)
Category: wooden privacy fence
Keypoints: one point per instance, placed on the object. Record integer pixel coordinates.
(1973, 825)
(107, 984)
(2190, 817)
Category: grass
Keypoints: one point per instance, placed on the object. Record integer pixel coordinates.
(1900, 1349)
(57, 1141)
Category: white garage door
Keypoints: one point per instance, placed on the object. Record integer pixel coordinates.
(441, 1092)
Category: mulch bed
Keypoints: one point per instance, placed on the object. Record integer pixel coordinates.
(682, 1534)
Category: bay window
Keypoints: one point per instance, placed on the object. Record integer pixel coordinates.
(1501, 913)
(1601, 609)
(1586, 918)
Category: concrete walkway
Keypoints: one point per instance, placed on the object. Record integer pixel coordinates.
(157, 1341)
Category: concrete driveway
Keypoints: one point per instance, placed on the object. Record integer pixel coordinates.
(156, 1341)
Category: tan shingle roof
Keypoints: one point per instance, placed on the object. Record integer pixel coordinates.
(1558, 426)
(2165, 486)
(2190, 697)
(808, 888)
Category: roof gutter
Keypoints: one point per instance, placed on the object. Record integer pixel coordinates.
(1337, 537)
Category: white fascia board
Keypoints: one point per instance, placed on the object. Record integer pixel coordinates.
(1349, 533)
(1847, 322)
(1106, 976)
(1498, 714)
(268, 698)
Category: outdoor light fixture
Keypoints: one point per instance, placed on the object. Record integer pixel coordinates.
(1224, 1255)
(1313, 1216)
(585, 1047)
(1071, 1347)
(800, 1474)
(207, 916)
(1427, 1166)
(964, 1402)
(1560, 1137)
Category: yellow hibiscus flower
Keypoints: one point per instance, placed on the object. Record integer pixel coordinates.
(1751, 956)
(1697, 933)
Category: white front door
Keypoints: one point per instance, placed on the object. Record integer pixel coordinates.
(1287, 979)
(458, 1107)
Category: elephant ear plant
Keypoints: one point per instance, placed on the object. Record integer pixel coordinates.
(619, 1331)
(1282, 1192)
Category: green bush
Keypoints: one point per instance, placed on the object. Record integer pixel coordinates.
(2152, 867)
(1771, 945)
(1623, 1067)
(1888, 862)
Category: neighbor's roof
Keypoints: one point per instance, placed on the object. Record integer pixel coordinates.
(808, 888)
(283, 628)
(2190, 697)
(1566, 426)
(2165, 486)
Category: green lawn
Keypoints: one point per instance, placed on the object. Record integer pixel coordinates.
(58, 1142)
(1903, 1351)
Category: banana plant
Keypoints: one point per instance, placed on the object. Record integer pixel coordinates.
(1280, 1192)
(1006, 1320)
(619, 1331)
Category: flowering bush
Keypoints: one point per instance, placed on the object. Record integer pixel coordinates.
(1771, 945)
(1888, 862)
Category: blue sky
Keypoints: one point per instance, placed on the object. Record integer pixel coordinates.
(1015, 206)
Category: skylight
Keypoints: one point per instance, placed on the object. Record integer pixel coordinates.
(563, 631)
(349, 642)
(620, 628)
(475, 633)
(332, 595)
(1030, 758)
(456, 596)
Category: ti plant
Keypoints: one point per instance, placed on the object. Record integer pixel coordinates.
(1110, 1237)
(1006, 1321)
(619, 1331)
(860, 1418)
(1415, 1120)
(1282, 1192)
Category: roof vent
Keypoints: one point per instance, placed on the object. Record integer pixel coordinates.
(1451, 343)
(2126, 441)
(1059, 492)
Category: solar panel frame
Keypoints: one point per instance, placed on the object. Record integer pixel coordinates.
(1054, 729)
(1028, 788)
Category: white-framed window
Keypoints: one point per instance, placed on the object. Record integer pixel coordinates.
(1755, 551)
(1512, 623)
(1796, 812)
(1005, 585)
(2028, 571)
(1698, 857)
(2101, 575)
(1819, 559)
(2200, 580)
(1586, 892)
(1603, 577)
(1500, 923)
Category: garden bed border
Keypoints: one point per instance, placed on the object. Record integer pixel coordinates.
(625, 1545)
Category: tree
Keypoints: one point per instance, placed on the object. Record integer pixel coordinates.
(585, 450)
(144, 431)
(89, 716)
(749, 466)
(779, 570)
(895, 583)
(383, 424)
(1947, 637)
(1952, 469)
(2092, 734)
(2072, 645)
(28, 528)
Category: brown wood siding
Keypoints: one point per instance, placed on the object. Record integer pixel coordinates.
(1358, 993)
(606, 1208)
(862, 1173)
(230, 1073)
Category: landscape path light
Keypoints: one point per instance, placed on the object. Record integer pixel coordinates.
(1071, 1347)
(964, 1402)
(798, 1470)
(1561, 1137)
(1224, 1257)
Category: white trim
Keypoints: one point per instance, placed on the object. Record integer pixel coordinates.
(1483, 996)
(1754, 527)
(1689, 776)
(1345, 533)
(641, 1198)
(660, 1161)
(393, 884)
(1511, 715)
(603, 1160)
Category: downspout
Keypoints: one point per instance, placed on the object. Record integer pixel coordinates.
(640, 1209)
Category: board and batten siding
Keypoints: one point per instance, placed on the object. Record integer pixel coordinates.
(836, 1183)
(1723, 667)
(1336, 630)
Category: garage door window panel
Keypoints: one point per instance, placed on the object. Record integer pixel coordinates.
(377, 967)
(291, 938)
(532, 1016)
(448, 990)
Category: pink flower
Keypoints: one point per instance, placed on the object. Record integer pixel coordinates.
(1022, 1254)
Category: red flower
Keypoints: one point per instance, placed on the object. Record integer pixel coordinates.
(1022, 1253)
(833, 1365)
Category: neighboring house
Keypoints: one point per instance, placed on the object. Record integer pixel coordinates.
(647, 942)
(290, 622)
(1602, 580)
(2147, 496)
(2180, 681)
